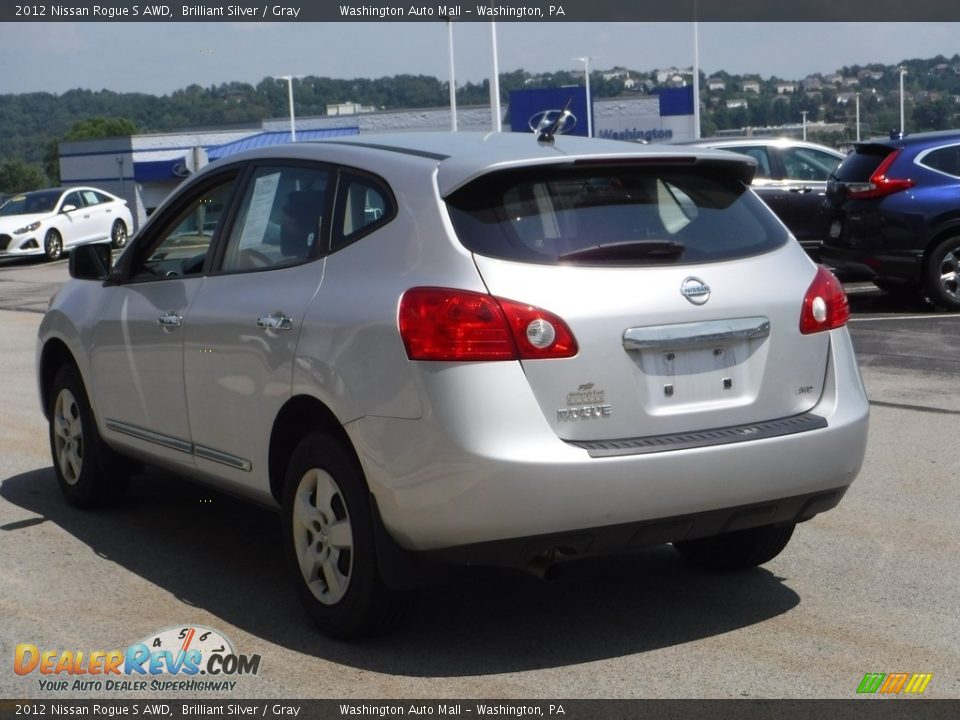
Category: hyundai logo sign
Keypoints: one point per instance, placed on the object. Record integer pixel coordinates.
(566, 121)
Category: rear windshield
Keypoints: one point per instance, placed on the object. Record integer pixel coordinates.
(860, 165)
(613, 214)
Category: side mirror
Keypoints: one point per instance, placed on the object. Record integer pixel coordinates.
(90, 262)
(68, 208)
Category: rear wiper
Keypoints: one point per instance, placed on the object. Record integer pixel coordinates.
(628, 250)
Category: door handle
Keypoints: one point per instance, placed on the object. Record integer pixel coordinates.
(277, 321)
(801, 190)
(170, 320)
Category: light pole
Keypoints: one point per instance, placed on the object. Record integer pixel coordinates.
(495, 81)
(903, 71)
(586, 73)
(453, 85)
(804, 113)
(293, 125)
(696, 79)
(858, 117)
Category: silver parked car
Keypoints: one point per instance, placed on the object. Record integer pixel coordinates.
(464, 349)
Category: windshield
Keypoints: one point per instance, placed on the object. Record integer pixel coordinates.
(34, 203)
(620, 214)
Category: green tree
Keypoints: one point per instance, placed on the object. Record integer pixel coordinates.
(101, 127)
(936, 115)
(51, 161)
(18, 176)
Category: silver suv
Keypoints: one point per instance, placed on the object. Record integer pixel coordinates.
(464, 349)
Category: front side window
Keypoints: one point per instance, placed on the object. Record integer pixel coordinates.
(71, 199)
(808, 164)
(180, 247)
(613, 215)
(281, 219)
(759, 154)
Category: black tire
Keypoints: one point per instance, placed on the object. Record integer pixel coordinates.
(118, 234)
(739, 550)
(90, 474)
(327, 525)
(53, 244)
(942, 274)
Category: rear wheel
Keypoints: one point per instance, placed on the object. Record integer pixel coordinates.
(118, 234)
(329, 542)
(53, 244)
(942, 280)
(739, 550)
(90, 474)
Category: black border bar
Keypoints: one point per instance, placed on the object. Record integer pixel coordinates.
(182, 708)
(326, 11)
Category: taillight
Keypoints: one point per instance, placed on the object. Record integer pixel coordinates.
(879, 183)
(825, 305)
(465, 326)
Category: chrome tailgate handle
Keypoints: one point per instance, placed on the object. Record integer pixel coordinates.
(277, 321)
(698, 333)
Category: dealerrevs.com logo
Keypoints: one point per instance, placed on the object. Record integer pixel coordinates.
(178, 659)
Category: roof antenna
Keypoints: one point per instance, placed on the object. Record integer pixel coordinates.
(546, 134)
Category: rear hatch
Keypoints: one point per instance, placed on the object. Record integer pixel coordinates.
(682, 290)
(853, 191)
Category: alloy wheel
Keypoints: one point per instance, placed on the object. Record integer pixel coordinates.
(68, 436)
(323, 536)
(950, 273)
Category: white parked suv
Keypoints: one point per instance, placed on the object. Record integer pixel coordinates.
(467, 349)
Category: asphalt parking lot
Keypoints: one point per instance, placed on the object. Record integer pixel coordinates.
(868, 587)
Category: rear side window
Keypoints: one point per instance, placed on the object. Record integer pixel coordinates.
(363, 204)
(619, 214)
(860, 164)
(946, 160)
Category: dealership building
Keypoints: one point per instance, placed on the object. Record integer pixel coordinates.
(144, 169)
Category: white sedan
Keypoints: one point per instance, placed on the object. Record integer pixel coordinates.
(48, 222)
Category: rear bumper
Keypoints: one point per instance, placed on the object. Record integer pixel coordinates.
(631, 536)
(497, 484)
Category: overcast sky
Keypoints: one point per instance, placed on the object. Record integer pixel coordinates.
(158, 57)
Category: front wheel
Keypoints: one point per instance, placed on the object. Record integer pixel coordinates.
(942, 274)
(329, 542)
(53, 245)
(89, 473)
(738, 550)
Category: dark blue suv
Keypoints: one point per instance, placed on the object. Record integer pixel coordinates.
(893, 214)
